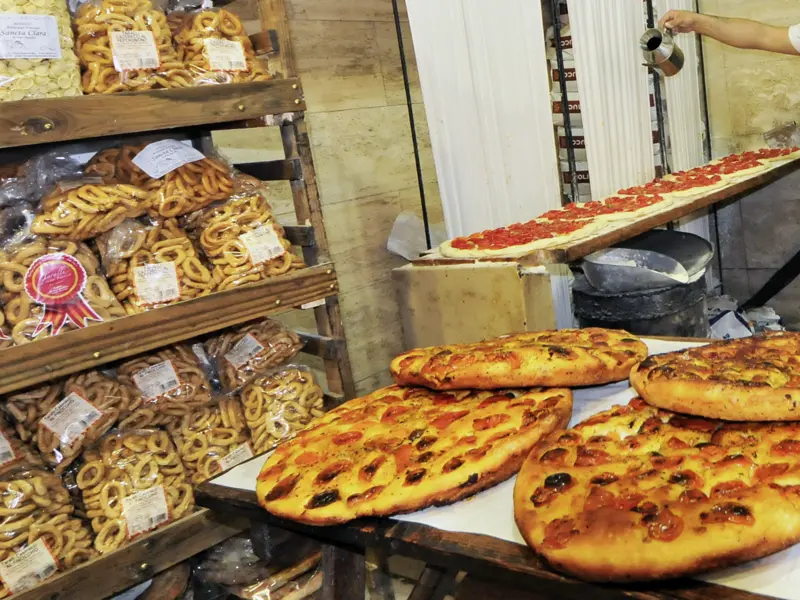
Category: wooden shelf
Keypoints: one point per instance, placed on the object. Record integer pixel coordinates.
(29, 122)
(27, 365)
(140, 560)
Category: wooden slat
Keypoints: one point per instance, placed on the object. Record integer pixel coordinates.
(325, 347)
(169, 584)
(274, 170)
(300, 235)
(57, 119)
(139, 560)
(480, 555)
(24, 366)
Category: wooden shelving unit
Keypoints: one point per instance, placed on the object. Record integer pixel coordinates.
(195, 110)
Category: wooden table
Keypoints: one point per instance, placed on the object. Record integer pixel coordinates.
(482, 556)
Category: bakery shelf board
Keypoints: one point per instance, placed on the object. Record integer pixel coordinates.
(479, 555)
(29, 122)
(42, 360)
(138, 561)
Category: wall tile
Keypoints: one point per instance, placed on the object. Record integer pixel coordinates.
(424, 143)
(786, 304)
(762, 96)
(771, 216)
(362, 152)
(731, 235)
(345, 10)
(340, 64)
(736, 284)
(374, 382)
(410, 200)
(391, 66)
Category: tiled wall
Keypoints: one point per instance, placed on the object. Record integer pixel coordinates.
(749, 93)
(348, 59)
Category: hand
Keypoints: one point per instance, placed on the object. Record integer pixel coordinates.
(680, 21)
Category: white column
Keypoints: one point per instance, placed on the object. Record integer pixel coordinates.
(615, 97)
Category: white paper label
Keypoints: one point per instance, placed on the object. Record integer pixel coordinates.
(159, 158)
(29, 36)
(132, 50)
(28, 567)
(7, 453)
(145, 510)
(245, 349)
(225, 55)
(263, 244)
(156, 283)
(313, 303)
(70, 418)
(157, 380)
(236, 457)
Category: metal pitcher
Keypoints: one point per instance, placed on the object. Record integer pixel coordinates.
(661, 52)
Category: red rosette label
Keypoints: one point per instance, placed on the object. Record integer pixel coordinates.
(57, 282)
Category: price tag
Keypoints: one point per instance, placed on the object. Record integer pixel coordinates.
(313, 304)
(7, 453)
(263, 244)
(225, 55)
(29, 36)
(156, 283)
(245, 349)
(132, 50)
(145, 510)
(157, 380)
(159, 158)
(236, 456)
(28, 567)
(70, 418)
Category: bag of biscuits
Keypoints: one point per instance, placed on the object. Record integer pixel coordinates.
(171, 383)
(212, 439)
(50, 286)
(243, 241)
(279, 404)
(41, 61)
(63, 418)
(125, 46)
(83, 209)
(215, 48)
(153, 263)
(132, 482)
(240, 353)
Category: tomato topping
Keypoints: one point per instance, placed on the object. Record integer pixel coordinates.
(738, 460)
(785, 448)
(494, 400)
(771, 471)
(664, 526)
(307, 458)
(598, 498)
(558, 532)
(591, 458)
(347, 437)
(490, 422)
(468, 440)
(687, 478)
(666, 462)
(629, 500)
(728, 488)
(728, 512)
(692, 496)
(443, 399)
(555, 457)
(391, 413)
(446, 419)
(402, 458)
(272, 472)
(676, 444)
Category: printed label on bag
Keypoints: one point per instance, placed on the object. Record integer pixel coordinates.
(236, 457)
(29, 36)
(225, 55)
(28, 567)
(157, 380)
(7, 453)
(156, 283)
(145, 510)
(263, 244)
(245, 349)
(132, 50)
(70, 418)
(159, 158)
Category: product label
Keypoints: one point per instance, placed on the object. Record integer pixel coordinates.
(29, 36)
(157, 380)
(245, 349)
(225, 55)
(28, 567)
(145, 510)
(263, 244)
(236, 456)
(159, 158)
(7, 453)
(156, 283)
(70, 418)
(132, 50)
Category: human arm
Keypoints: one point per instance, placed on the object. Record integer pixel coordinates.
(739, 33)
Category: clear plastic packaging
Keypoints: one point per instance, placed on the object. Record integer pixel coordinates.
(23, 314)
(81, 211)
(63, 419)
(215, 48)
(242, 241)
(241, 353)
(171, 382)
(103, 165)
(191, 187)
(14, 454)
(132, 482)
(279, 404)
(27, 78)
(212, 439)
(37, 176)
(36, 505)
(152, 265)
(126, 45)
